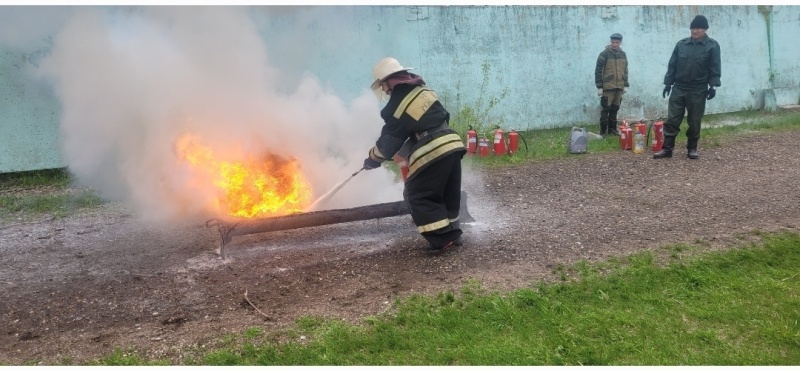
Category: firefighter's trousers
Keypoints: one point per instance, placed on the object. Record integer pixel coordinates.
(434, 199)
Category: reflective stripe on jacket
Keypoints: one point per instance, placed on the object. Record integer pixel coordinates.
(412, 110)
(425, 152)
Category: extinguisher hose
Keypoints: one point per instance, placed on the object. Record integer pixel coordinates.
(649, 129)
(508, 142)
(523, 142)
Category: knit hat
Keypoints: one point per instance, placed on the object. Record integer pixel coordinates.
(616, 36)
(699, 22)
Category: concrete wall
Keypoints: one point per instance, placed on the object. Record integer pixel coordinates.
(28, 115)
(543, 57)
(785, 23)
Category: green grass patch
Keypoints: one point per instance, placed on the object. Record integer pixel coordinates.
(27, 194)
(734, 307)
(30, 179)
(58, 205)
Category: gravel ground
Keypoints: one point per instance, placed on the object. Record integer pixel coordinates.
(76, 288)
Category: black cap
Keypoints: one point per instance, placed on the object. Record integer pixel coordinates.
(616, 36)
(699, 22)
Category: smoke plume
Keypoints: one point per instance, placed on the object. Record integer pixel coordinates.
(133, 79)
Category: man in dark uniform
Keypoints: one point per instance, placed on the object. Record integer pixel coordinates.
(416, 127)
(693, 74)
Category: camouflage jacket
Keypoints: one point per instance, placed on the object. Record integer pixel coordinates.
(611, 71)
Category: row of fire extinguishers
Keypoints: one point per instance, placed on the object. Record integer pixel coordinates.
(628, 135)
(502, 144)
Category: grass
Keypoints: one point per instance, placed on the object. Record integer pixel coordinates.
(58, 204)
(30, 179)
(28, 194)
(735, 307)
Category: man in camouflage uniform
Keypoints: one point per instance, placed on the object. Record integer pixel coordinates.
(611, 79)
(693, 74)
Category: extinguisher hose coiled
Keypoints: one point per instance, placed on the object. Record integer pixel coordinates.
(524, 142)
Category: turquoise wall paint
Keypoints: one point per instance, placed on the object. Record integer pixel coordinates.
(543, 56)
(28, 114)
(786, 53)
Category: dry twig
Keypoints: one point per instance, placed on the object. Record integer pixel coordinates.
(254, 307)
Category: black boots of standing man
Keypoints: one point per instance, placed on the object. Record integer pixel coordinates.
(691, 149)
(669, 145)
(608, 119)
(612, 119)
(666, 148)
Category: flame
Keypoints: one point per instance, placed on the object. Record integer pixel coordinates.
(254, 187)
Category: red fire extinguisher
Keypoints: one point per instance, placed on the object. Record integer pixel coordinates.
(513, 142)
(472, 141)
(658, 135)
(483, 147)
(625, 136)
(499, 142)
(641, 128)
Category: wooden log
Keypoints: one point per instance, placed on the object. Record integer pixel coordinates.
(230, 229)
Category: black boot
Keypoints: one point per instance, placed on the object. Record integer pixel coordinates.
(612, 119)
(603, 128)
(666, 149)
(612, 128)
(691, 149)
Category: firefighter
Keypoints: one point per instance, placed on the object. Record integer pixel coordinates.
(416, 128)
(693, 74)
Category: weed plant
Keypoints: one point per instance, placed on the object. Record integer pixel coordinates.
(476, 115)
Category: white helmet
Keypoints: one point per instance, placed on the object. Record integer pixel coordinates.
(382, 70)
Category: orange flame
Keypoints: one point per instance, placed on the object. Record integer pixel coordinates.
(264, 187)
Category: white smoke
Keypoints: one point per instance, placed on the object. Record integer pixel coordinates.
(133, 79)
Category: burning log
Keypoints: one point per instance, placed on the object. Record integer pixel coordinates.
(228, 230)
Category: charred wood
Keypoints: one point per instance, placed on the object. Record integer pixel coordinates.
(230, 229)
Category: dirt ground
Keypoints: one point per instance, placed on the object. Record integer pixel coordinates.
(75, 288)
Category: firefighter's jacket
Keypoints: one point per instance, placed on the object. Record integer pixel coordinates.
(415, 120)
(694, 66)
(611, 71)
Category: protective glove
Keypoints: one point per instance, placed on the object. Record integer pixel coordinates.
(667, 88)
(624, 90)
(711, 93)
(370, 164)
(599, 92)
